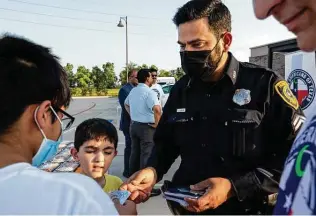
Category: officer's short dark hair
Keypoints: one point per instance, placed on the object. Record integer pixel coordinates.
(218, 15)
(95, 129)
(29, 74)
(142, 75)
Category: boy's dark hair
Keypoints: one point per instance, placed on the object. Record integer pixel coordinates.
(218, 15)
(142, 75)
(29, 74)
(94, 129)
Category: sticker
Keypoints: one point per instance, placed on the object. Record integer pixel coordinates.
(122, 196)
(49, 167)
(60, 158)
(67, 167)
(283, 89)
(242, 97)
(181, 110)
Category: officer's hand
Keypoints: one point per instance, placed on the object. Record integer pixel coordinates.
(140, 184)
(218, 190)
(129, 208)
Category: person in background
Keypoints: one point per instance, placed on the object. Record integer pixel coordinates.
(156, 87)
(232, 123)
(297, 193)
(95, 147)
(125, 121)
(35, 93)
(145, 110)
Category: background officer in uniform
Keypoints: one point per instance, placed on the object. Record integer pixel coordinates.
(232, 123)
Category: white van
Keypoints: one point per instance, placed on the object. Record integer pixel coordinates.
(166, 80)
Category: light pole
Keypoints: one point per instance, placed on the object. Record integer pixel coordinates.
(121, 24)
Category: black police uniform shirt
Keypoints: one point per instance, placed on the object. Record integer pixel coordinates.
(216, 137)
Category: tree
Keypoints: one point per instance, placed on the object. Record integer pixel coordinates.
(177, 73)
(71, 76)
(98, 78)
(165, 73)
(109, 73)
(83, 79)
(154, 67)
(123, 74)
(144, 66)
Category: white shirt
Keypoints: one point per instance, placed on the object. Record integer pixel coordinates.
(158, 90)
(25, 189)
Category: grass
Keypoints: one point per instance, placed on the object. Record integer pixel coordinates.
(113, 92)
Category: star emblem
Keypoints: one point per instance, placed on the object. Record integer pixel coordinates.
(288, 201)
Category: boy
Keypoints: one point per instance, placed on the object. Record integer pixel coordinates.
(95, 148)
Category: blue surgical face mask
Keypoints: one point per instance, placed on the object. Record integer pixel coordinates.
(48, 147)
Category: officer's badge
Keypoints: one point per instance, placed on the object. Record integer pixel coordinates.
(242, 97)
(283, 89)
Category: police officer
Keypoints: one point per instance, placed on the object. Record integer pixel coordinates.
(232, 123)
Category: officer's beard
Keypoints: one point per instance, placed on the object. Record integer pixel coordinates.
(211, 75)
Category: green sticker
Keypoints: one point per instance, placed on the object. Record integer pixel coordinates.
(298, 163)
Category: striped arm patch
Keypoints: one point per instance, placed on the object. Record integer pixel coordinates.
(298, 122)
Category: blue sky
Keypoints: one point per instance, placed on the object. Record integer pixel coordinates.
(152, 35)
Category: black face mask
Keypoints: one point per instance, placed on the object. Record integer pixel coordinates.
(198, 65)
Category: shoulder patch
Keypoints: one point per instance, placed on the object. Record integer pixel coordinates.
(283, 89)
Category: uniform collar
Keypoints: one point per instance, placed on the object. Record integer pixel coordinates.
(232, 68)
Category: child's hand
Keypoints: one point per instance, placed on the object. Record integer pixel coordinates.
(129, 208)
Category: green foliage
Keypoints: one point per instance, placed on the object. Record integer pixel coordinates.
(76, 92)
(177, 73)
(123, 74)
(154, 67)
(71, 77)
(165, 73)
(109, 75)
(103, 81)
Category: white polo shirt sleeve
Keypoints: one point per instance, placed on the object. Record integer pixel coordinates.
(152, 100)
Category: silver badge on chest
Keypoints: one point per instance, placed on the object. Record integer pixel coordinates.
(242, 97)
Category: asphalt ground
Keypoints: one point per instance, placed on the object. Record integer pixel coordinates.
(107, 108)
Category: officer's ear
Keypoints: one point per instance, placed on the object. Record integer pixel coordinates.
(227, 39)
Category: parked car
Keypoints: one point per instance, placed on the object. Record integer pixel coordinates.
(166, 90)
(166, 80)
